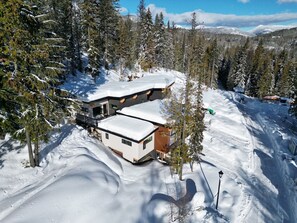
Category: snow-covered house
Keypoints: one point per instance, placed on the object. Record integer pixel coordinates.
(106, 99)
(153, 112)
(131, 138)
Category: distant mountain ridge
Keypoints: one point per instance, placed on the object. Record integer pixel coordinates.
(258, 31)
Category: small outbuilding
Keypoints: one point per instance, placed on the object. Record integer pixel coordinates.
(131, 138)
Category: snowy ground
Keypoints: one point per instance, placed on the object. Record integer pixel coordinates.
(79, 180)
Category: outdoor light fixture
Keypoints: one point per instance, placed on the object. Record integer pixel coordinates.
(220, 176)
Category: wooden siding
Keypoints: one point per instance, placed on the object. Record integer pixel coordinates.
(162, 139)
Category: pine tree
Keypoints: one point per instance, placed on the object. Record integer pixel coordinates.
(286, 81)
(108, 31)
(266, 82)
(148, 45)
(65, 14)
(160, 40)
(32, 78)
(280, 63)
(293, 73)
(178, 113)
(126, 45)
(140, 40)
(90, 36)
(197, 127)
(256, 70)
(213, 64)
(237, 77)
(169, 48)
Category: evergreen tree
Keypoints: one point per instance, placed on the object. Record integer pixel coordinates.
(178, 112)
(197, 127)
(286, 81)
(256, 70)
(293, 106)
(169, 48)
(266, 82)
(160, 41)
(90, 36)
(108, 31)
(214, 62)
(125, 46)
(281, 76)
(65, 15)
(31, 80)
(237, 76)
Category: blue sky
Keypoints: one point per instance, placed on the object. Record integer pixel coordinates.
(243, 14)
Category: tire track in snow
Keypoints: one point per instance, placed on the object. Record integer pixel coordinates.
(246, 207)
(29, 191)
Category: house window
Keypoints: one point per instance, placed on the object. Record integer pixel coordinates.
(147, 141)
(84, 109)
(126, 142)
(106, 136)
(97, 111)
(114, 107)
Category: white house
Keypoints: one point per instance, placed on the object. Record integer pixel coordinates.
(154, 112)
(131, 138)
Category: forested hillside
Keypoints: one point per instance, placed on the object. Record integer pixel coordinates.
(44, 41)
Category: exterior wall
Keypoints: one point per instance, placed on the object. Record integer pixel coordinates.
(132, 153)
(115, 104)
(162, 139)
(156, 94)
(148, 148)
(89, 117)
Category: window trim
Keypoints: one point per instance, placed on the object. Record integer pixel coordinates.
(126, 142)
(147, 141)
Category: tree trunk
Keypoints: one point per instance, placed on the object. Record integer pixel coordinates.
(181, 169)
(212, 73)
(36, 152)
(30, 152)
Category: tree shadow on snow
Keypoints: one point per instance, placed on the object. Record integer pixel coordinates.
(182, 204)
(7, 147)
(65, 131)
(209, 195)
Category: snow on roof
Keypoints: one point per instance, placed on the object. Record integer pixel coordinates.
(121, 89)
(128, 127)
(150, 111)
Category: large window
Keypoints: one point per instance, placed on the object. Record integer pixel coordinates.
(97, 111)
(84, 109)
(126, 142)
(147, 141)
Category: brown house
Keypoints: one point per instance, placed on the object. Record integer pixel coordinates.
(107, 99)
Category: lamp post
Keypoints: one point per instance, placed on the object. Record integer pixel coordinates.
(220, 176)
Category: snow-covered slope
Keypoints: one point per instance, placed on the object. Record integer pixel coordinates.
(80, 180)
(226, 30)
(259, 30)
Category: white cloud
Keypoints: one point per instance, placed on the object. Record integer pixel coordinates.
(286, 1)
(243, 1)
(231, 20)
(123, 10)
